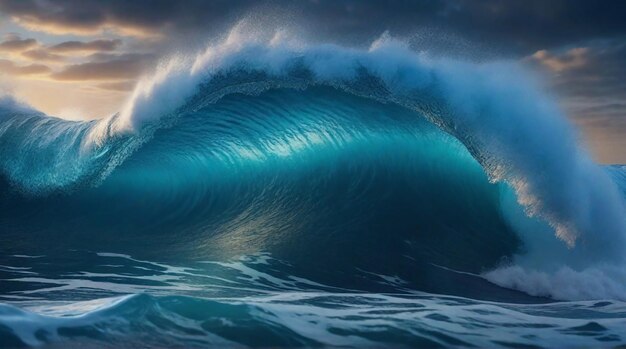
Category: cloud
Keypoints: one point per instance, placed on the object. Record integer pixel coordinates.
(591, 85)
(90, 17)
(89, 46)
(62, 51)
(603, 115)
(574, 58)
(122, 86)
(122, 67)
(526, 26)
(602, 76)
(536, 24)
(13, 43)
(42, 55)
(10, 68)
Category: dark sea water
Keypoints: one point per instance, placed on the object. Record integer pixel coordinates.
(291, 206)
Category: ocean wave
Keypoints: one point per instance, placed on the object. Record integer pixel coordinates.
(493, 112)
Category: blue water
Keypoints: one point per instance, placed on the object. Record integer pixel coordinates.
(289, 205)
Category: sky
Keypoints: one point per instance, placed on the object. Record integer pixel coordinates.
(79, 59)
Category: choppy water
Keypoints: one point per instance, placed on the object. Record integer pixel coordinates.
(254, 301)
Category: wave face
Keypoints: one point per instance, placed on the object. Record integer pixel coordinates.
(292, 194)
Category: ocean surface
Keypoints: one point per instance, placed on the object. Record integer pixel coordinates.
(265, 194)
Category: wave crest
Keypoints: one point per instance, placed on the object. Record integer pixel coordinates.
(499, 113)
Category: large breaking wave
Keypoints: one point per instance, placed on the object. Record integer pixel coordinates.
(262, 135)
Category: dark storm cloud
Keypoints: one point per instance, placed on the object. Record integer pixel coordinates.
(89, 46)
(132, 17)
(537, 24)
(515, 25)
(122, 67)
